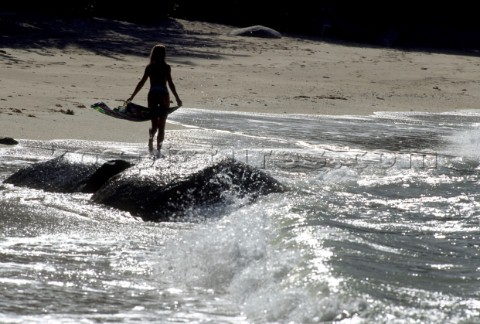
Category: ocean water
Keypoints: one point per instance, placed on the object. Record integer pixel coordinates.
(381, 224)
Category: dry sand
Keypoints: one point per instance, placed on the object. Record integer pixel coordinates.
(46, 89)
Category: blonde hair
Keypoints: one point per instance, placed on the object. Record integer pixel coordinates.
(158, 54)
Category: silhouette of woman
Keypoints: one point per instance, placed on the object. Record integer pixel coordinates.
(160, 74)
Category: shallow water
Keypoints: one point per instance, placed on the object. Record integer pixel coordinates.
(381, 224)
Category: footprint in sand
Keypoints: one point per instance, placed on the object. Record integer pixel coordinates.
(15, 110)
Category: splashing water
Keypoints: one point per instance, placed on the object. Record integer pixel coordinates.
(380, 224)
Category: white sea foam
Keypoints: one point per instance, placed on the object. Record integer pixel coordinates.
(465, 142)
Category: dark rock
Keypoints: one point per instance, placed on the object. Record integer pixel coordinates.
(164, 191)
(166, 194)
(105, 172)
(62, 174)
(8, 141)
(256, 31)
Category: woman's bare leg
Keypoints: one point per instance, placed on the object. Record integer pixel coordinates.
(161, 131)
(151, 134)
(158, 123)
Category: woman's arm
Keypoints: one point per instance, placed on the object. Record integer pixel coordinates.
(139, 85)
(172, 86)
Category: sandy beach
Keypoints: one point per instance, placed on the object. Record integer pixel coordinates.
(51, 76)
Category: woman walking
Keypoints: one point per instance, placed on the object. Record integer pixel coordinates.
(160, 74)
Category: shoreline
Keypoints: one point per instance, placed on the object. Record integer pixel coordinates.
(46, 89)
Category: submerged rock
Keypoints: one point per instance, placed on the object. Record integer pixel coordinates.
(165, 194)
(8, 141)
(62, 174)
